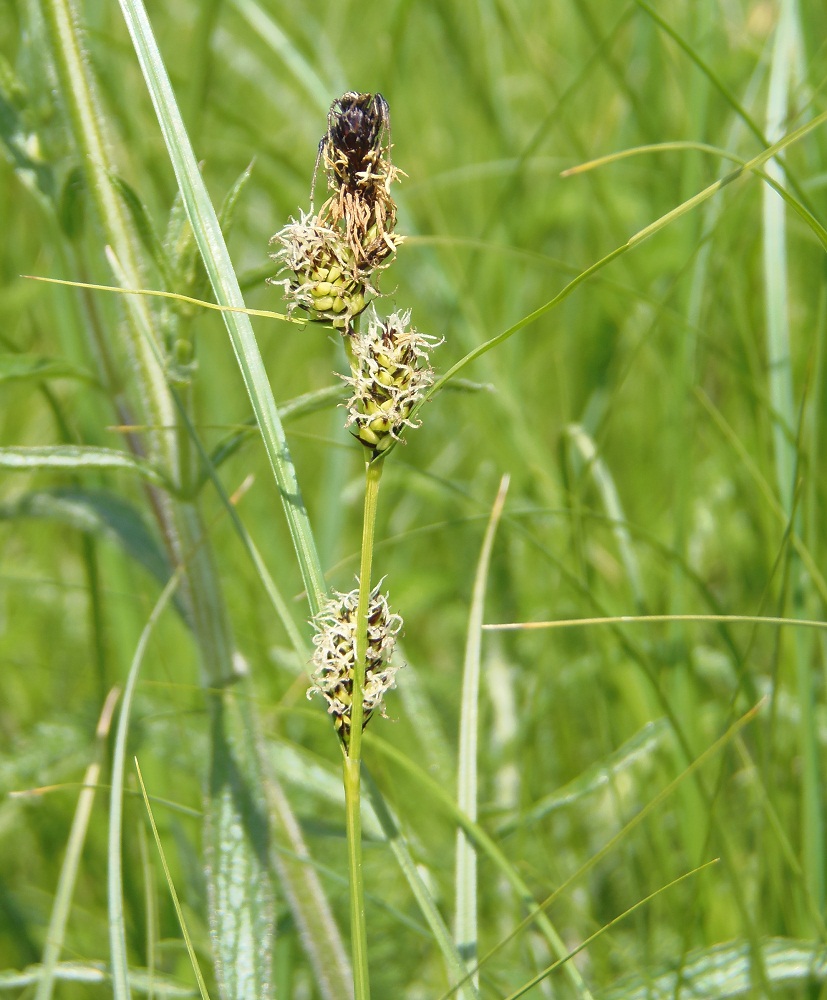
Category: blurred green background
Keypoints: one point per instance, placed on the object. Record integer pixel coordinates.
(662, 427)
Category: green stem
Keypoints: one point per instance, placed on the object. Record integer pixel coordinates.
(373, 476)
(353, 757)
(358, 928)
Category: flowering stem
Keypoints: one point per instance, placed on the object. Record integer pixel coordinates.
(353, 757)
(373, 475)
(358, 930)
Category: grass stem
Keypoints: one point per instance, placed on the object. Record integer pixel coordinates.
(353, 757)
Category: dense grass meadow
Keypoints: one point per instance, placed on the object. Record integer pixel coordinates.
(615, 225)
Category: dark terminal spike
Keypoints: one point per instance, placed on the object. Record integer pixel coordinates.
(356, 126)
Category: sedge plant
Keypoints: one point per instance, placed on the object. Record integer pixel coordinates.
(675, 421)
(331, 262)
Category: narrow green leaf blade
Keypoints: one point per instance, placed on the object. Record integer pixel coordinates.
(465, 920)
(75, 458)
(609, 494)
(594, 778)
(142, 225)
(39, 368)
(61, 907)
(724, 971)
(97, 512)
(117, 931)
(427, 904)
(96, 974)
(242, 902)
(319, 933)
(207, 232)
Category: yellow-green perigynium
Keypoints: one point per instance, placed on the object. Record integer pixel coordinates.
(334, 657)
(390, 373)
(322, 276)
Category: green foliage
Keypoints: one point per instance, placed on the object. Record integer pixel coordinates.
(655, 391)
